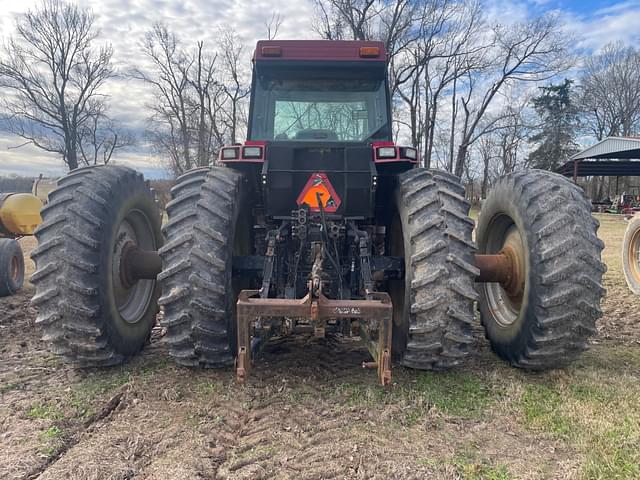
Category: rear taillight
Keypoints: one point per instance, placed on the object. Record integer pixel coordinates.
(410, 153)
(252, 152)
(386, 152)
(230, 153)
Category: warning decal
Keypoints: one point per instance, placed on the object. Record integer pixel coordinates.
(319, 185)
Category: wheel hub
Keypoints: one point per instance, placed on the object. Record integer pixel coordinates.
(132, 291)
(504, 275)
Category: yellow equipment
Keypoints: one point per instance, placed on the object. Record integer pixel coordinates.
(19, 214)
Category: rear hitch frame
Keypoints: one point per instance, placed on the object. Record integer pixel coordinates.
(251, 305)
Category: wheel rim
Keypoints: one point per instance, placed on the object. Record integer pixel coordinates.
(505, 304)
(633, 252)
(132, 301)
(14, 268)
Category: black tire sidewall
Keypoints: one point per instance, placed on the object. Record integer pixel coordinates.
(234, 284)
(10, 250)
(515, 336)
(127, 338)
(400, 332)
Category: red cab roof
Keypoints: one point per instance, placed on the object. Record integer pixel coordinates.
(319, 50)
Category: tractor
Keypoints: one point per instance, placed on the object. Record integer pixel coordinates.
(19, 217)
(318, 224)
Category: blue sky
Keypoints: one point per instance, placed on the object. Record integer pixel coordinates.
(123, 23)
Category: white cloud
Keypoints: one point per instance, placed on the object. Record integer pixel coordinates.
(123, 23)
(617, 22)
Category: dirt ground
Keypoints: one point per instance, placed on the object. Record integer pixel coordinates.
(311, 412)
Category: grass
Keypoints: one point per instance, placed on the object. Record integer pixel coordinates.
(45, 411)
(597, 412)
(460, 394)
(480, 471)
(52, 439)
(95, 385)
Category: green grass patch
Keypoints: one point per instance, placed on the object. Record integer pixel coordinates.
(614, 453)
(596, 414)
(481, 471)
(51, 439)
(208, 388)
(454, 393)
(100, 382)
(45, 411)
(89, 389)
(541, 408)
(51, 433)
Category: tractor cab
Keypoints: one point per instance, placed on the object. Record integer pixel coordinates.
(316, 92)
(319, 118)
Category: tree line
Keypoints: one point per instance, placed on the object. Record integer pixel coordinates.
(477, 97)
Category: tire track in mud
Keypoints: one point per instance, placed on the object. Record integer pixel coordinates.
(289, 427)
(79, 434)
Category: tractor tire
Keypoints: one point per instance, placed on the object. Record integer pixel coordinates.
(434, 303)
(197, 291)
(547, 320)
(11, 267)
(631, 254)
(88, 313)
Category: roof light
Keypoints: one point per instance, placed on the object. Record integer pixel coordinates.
(369, 52)
(271, 51)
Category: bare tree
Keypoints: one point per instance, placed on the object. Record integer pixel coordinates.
(500, 149)
(52, 75)
(610, 91)
(99, 138)
(272, 26)
(234, 84)
(170, 82)
(199, 98)
(456, 51)
(346, 19)
(528, 52)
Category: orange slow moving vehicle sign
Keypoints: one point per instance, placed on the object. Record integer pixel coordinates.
(319, 184)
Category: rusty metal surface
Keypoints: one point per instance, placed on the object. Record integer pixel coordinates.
(505, 268)
(377, 310)
(493, 268)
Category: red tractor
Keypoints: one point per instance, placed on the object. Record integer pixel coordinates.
(319, 221)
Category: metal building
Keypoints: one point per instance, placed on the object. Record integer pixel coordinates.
(611, 157)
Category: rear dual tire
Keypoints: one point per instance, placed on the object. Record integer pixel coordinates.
(11, 267)
(544, 218)
(88, 314)
(548, 322)
(434, 303)
(207, 214)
